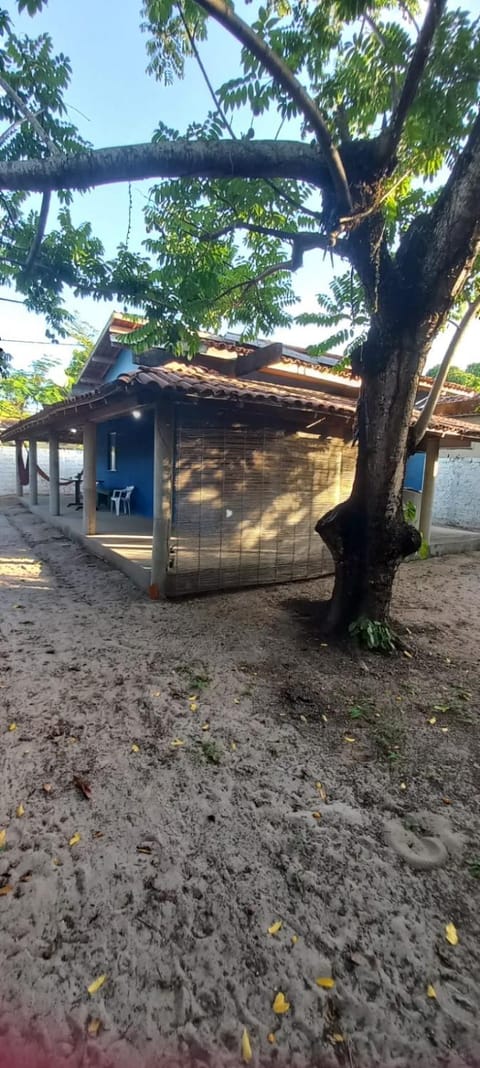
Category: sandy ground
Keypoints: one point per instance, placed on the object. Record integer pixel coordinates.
(189, 852)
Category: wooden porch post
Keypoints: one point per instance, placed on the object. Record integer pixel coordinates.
(18, 458)
(90, 478)
(54, 474)
(162, 499)
(33, 473)
(432, 446)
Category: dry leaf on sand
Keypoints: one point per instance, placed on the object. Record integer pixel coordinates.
(246, 1047)
(97, 984)
(451, 934)
(280, 1005)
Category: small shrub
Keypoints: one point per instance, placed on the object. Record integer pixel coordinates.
(373, 635)
(211, 752)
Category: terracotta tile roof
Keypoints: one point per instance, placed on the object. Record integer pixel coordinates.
(190, 380)
(205, 383)
(200, 382)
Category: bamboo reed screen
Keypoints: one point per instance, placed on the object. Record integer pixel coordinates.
(245, 504)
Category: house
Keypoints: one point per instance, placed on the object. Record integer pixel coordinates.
(234, 455)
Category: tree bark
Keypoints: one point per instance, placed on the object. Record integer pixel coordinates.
(367, 535)
(168, 159)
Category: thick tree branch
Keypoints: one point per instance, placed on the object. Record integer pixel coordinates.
(282, 74)
(220, 111)
(437, 254)
(308, 240)
(432, 399)
(169, 159)
(293, 264)
(413, 76)
(29, 115)
(196, 53)
(40, 231)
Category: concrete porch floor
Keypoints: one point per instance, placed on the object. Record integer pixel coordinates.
(126, 541)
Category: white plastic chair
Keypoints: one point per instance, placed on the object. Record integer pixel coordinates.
(121, 497)
(125, 499)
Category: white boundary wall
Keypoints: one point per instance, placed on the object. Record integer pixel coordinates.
(71, 462)
(457, 492)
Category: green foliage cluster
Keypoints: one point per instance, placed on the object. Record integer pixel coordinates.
(373, 635)
(470, 377)
(23, 392)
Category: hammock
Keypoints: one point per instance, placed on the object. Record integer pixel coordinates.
(24, 472)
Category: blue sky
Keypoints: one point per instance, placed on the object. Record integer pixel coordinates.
(113, 101)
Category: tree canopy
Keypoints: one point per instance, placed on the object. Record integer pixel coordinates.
(398, 96)
(469, 377)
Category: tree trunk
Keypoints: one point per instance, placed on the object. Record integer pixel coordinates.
(367, 535)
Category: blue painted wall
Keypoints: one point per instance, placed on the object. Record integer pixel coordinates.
(134, 459)
(123, 363)
(414, 472)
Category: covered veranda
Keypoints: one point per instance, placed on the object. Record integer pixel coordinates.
(135, 544)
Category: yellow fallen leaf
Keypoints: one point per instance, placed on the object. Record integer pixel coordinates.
(280, 1005)
(205, 726)
(326, 983)
(275, 927)
(403, 786)
(407, 654)
(233, 746)
(97, 984)
(451, 934)
(433, 720)
(246, 1047)
(348, 738)
(75, 839)
(444, 730)
(431, 992)
(193, 706)
(3, 839)
(135, 748)
(304, 719)
(337, 1037)
(176, 743)
(321, 790)
(7, 889)
(20, 811)
(236, 700)
(294, 940)
(324, 717)
(317, 815)
(12, 727)
(93, 1026)
(271, 1038)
